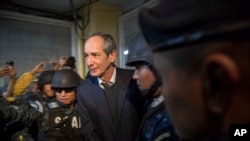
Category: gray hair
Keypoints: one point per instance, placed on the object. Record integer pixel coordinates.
(109, 43)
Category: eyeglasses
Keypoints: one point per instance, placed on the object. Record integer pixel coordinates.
(66, 90)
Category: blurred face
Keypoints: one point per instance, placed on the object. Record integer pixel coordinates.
(48, 92)
(66, 96)
(9, 67)
(98, 62)
(183, 99)
(144, 77)
(34, 87)
(61, 62)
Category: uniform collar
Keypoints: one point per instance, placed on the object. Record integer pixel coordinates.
(157, 101)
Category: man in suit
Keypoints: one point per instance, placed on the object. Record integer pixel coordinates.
(109, 101)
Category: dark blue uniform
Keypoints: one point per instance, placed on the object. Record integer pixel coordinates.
(156, 124)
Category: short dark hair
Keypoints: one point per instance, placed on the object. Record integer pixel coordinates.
(11, 63)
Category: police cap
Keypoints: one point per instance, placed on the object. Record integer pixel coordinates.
(138, 51)
(174, 23)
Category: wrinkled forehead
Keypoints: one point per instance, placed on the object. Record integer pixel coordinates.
(94, 45)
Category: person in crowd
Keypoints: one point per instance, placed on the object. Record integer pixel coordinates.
(109, 101)
(10, 64)
(70, 63)
(156, 124)
(4, 71)
(55, 119)
(59, 65)
(201, 50)
(33, 86)
(9, 70)
(26, 78)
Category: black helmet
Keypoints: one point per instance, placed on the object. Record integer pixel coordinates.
(45, 77)
(65, 78)
(138, 51)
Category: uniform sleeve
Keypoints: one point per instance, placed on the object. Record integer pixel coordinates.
(22, 83)
(13, 114)
(87, 129)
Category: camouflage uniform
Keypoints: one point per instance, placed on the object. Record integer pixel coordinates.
(52, 120)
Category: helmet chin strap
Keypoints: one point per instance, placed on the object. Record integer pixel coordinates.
(158, 82)
(67, 105)
(150, 93)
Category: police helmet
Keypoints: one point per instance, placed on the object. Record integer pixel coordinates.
(138, 51)
(166, 27)
(65, 78)
(45, 77)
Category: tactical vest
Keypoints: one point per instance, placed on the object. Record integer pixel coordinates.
(59, 124)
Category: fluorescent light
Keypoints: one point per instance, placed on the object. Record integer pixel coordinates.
(125, 52)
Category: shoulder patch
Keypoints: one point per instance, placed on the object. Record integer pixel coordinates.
(52, 105)
(36, 105)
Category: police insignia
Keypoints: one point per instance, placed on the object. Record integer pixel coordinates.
(52, 105)
(36, 105)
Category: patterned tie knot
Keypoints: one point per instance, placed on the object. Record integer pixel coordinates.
(107, 84)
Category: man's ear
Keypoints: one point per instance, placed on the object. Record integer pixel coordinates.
(220, 76)
(112, 56)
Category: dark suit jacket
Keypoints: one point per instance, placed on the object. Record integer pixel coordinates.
(95, 116)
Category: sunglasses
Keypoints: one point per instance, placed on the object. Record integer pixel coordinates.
(66, 90)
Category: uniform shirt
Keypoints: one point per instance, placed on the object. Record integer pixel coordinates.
(156, 124)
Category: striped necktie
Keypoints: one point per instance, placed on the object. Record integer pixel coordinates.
(107, 84)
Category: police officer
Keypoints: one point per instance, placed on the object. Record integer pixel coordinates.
(201, 49)
(56, 120)
(34, 100)
(45, 92)
(156, 124)
(65, 120)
